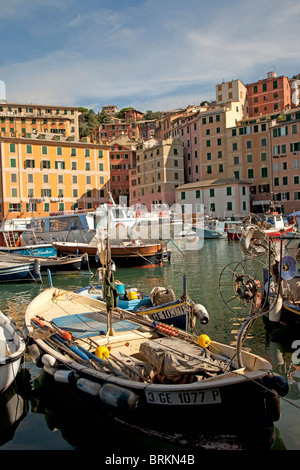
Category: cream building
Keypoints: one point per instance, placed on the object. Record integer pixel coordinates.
(159, 170)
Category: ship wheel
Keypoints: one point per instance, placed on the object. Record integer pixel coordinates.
(241, 286)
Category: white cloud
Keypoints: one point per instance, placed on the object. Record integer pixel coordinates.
(152, 55)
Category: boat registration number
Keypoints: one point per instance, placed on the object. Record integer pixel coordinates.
(203, 397)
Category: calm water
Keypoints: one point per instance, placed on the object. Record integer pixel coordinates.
(64, 423)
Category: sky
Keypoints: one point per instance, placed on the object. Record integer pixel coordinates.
(148, 54)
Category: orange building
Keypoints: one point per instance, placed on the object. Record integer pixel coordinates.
(45, 173)
(22, 119)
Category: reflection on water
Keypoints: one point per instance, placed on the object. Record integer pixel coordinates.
(203, 269)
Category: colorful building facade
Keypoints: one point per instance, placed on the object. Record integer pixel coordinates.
(43, 174)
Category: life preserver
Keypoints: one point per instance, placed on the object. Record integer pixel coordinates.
(120, 224)
(138, 214)
(160, 214)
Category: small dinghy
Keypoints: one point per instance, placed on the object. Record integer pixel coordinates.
(12, 348)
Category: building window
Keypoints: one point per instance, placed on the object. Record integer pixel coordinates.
(59, 165)
(229, 206)
(276, 181)
(264, 172)
(198, 193)
(209, 170)
(183, 195)
(250, 173)
(263, 157)
(285, 181)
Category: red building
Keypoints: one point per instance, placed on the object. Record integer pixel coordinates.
(270, 95)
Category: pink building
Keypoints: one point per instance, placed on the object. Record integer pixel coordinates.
(285, 147)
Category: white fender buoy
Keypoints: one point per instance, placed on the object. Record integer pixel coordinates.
(201, 313)
(63, 376)
(49, 364)
(118, 397)
(275, 312)
(48, 360)
(88, 386)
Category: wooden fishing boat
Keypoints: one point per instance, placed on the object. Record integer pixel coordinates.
(161, 305)
(147, 373)
(127, 253)
(12, 349)
(20, 271)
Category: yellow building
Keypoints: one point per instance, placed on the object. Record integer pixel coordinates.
(22, 119)
(45, 173)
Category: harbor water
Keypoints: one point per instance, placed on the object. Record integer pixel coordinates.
(48, 418)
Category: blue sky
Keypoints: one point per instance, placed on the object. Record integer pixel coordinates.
(149, 54)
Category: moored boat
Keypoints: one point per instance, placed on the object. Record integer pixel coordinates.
(273, 226)
(12, 349)
(20, 271)
(160, 305)
(125, 253)
(56, 264)
(282, 289)
(141, 374)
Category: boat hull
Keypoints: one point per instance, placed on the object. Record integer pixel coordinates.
(127, 256)
(20, 272)
(12, 349)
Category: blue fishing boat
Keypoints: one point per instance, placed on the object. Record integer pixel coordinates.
(161, 305)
